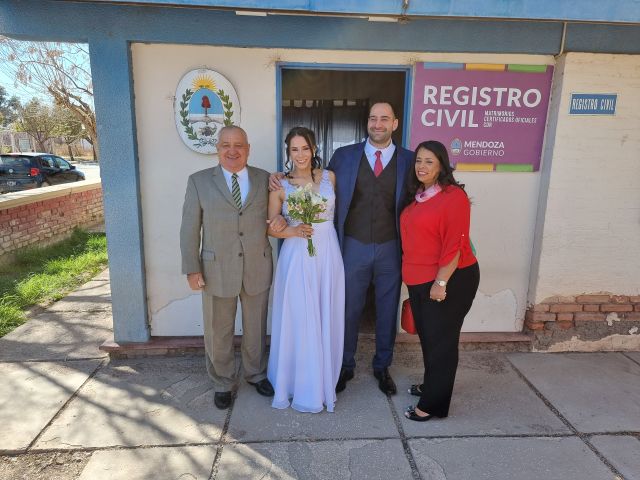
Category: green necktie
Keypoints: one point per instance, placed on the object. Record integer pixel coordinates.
(235, 190)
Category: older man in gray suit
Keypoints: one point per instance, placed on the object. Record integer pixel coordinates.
(226, 254)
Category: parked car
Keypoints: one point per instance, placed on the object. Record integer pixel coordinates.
(22, 171)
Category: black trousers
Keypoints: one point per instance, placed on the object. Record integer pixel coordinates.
(438, 325)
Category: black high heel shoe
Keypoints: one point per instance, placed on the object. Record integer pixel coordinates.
(416, 390)
(411, 414)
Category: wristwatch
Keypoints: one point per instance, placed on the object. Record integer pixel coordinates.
(441, 283)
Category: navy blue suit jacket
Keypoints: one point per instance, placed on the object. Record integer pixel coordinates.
(345, 163)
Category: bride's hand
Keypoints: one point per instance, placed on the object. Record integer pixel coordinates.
(277, 223)
(303, 230)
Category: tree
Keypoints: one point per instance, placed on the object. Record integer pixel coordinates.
(60, 69)
(38, 120)
(68, 128)
(9, 107)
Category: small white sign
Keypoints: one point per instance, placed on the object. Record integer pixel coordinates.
(24, 144)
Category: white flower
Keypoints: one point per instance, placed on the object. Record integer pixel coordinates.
(316, 199)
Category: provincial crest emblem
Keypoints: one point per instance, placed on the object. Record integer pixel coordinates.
(205, 101)
(456, 146)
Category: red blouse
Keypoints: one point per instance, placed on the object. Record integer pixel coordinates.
(432, 233)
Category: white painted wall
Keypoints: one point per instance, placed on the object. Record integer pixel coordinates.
(587, 240)
(503, 215)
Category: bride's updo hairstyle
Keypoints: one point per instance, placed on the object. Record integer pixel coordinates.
(310, 138)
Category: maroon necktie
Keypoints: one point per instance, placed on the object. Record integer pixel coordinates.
(377, 168)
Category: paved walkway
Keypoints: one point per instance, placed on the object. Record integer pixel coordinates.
(69, 412)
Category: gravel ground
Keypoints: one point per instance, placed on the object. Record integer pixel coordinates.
(43, 466)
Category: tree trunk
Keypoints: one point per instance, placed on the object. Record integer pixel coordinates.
(70, 152)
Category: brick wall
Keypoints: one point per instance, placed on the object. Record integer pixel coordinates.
(42, 216)
(597, 321)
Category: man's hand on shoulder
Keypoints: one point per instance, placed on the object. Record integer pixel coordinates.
(274, 181)
(196, 281)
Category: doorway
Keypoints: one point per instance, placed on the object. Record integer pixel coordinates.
(334, 102)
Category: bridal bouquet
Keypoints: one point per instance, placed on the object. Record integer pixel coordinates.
(305, 205)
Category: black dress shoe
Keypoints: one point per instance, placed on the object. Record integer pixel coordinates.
(345, 375)
(416, 390)
(411, 414)
(385, 382)
(263, 387)
(222, 400)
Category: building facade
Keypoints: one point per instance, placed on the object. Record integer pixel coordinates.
(557, 241)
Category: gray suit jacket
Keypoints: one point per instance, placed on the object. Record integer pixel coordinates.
(228, 245)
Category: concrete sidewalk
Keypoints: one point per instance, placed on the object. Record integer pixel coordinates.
(69, 412)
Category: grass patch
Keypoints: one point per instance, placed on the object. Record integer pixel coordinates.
(42, 275)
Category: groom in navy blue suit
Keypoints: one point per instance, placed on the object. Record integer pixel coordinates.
(370, 189)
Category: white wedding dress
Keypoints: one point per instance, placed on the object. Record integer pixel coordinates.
(307, 329)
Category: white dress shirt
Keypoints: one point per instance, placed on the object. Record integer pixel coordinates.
(243, 181)
(387, 153)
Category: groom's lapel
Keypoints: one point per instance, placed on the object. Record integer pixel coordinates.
(402, 162)
(352, 170)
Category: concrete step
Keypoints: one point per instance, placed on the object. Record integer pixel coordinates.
(406, 345)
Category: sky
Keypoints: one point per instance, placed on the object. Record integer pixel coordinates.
(8, 84)
(20, 91)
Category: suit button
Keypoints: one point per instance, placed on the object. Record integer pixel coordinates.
(240, 254)
(241, 234)
(240, 213)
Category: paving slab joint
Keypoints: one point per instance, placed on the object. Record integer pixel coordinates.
(64, 406)
(630, 358)
(403, 439)
(114, 447)
(626, 433)
(80, 310)
(223, 439)
(50, 360)
(582, 436)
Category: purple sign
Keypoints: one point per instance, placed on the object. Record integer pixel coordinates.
(490, 117)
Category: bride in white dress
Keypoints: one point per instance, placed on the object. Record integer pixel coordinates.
(307, 328)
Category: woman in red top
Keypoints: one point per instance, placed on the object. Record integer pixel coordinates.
(440, 271)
